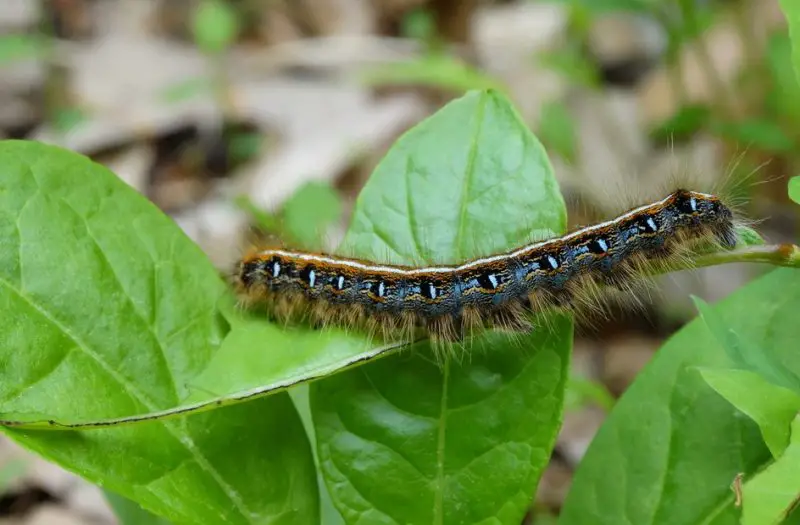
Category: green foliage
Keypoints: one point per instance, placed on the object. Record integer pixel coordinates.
(582, 391)
(599, 7)
(744, 354)
(767, 389)
(109, 310)
(307, 214)
(767, 90)
(434, 69)
(419, 25)
(242, 145)
(304, 217)
(794, 189)
(687, 121)
(669, 451)
(772, 495)
(114, 320)
(573, 65)
(772, 407)
(557, 130)
(68, 118)
(791, 9)
(460, 442)
(130, 513)
(747, 236)
(215, 25)
(762, 133)
(19, 47)
(186, 89)
(782, 101)
(134, 323)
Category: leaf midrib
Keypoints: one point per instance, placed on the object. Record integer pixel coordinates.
(438, 502)
(470, 173)
(134, 392)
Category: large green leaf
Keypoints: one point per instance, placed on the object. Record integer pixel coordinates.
(772, 407)
(671, 447)
(743, 353)
(109, 310)
(410, 440)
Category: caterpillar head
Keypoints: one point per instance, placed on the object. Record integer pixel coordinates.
(703, 210)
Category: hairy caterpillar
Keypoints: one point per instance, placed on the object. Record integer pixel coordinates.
(499, 291)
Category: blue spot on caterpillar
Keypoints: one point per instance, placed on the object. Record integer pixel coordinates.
(495, 291)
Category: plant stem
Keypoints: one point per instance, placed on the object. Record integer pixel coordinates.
(777, 254)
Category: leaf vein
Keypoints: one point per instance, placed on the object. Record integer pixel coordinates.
(47, 373)
(332, 461)
(138, 396)
(411, 214)
(438, 510)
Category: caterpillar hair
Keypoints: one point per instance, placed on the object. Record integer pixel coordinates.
(500, 291)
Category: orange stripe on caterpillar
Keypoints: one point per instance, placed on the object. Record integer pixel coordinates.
(498, 291)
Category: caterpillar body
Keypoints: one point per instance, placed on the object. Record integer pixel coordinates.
(498, 291)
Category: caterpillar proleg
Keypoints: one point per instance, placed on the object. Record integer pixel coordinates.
(498, 291)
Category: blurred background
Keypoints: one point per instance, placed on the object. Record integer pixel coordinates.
(265, 117)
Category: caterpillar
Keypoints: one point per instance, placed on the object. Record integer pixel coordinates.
(500, 291)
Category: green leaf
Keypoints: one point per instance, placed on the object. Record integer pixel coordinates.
(259, 357)
(571, 62)
(110, 310)
(243, 145)
(794, 189)
(130, 513)
(743, 353)
(68, 118)
(410, 440)
(599, 7)
(791, 9)
(434, 69)
(328, 513)
(669, 450)
(309, 212)
(582, 391)
(256, 359)
(690, 22)
(557, 130)
(783, 99)
(263, 219)
(418, 24)
(747, 236)
(771, 495)
(18, 47)
(687, 121)
(215, 25)
(187, 89)
(760, 133)
(304, 217)
(772, 407)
